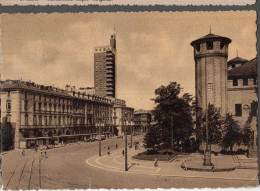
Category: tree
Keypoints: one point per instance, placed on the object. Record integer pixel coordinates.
(215, 123)
(232, 133)
(152, 138)
(173, 114)
(248, 134)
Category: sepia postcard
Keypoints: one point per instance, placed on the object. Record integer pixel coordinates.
(129, 99)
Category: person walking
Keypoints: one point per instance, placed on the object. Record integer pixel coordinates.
(45, 154)
(23, 152)
(123, 152)
(108, 150)
(116, 145)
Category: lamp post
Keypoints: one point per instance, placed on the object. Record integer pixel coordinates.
(99, 138)
(125, 129)
(131, 126)
(207, 153)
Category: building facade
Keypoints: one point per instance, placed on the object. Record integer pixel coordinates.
(142, 120)
(123, 116)
(105, 69)
(242, 92)
(42, 115)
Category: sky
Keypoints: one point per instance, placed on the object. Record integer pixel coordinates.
(153, 48)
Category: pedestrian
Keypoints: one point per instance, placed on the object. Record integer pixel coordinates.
(123, 152)
(41, 153)
(247, 153)
(108, 150)
(156, 162)
(23, 152)
(45, 153)
(135, 147)
(116, 145)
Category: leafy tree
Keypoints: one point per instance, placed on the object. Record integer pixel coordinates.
(173, 114)
(152, 138)
(215, 123)
(248, 135)
(232, 133)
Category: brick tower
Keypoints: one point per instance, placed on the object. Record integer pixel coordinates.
(210, 55)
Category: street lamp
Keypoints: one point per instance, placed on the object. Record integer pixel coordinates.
(207, 153)
(99, 138)
(125, 129)
(131, 126)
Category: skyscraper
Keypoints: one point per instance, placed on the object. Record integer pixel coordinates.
(105, 69)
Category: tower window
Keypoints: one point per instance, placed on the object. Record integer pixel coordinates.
(197, 47)
(238, 110)
(235, 82)
(222, 44)
(209, 45)
(245, 82)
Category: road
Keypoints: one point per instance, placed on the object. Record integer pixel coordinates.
(66, 167)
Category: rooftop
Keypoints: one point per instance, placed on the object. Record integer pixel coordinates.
(249, 69)
(211, 36)
(12, 85)
(237, 60)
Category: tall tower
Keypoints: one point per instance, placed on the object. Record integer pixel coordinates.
(210, 55)
(105, 69)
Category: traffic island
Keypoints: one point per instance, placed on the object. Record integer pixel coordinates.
(152, 157)
(217, 166)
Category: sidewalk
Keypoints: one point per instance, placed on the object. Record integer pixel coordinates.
(115, 163)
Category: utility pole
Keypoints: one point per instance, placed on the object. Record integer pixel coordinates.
(207, 154)
(171, 132)
(131, 126)
(99, 138)
(125, 128)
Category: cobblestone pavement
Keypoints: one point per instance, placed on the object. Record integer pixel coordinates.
(66, 167)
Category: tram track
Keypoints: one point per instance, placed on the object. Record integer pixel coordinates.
(21, 174)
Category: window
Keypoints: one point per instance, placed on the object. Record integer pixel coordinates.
(34, 120)
(235, 82)
(209, 45)
(50, 120)
(34, 106)
(26, 119)
(254, 107)
(40, 106)
(40, 120)
(238, 110)
(222, 44)
(197, 47)
(245, 82)
(8, 106)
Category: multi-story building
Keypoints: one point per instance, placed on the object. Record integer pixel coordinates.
(42, 115)
(142, 120)
(105, 69)
(242, 91)
(123, 116)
